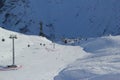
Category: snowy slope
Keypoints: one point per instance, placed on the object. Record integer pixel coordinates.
(70, 18)
(102, 64)
(39, 62)
(96, 59)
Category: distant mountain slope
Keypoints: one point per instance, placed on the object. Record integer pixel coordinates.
(71, 18)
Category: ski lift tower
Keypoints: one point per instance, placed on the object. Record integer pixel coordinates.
(13, 49)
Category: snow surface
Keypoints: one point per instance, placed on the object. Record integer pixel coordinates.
(94, 59)
(38, 62)
(102, 64)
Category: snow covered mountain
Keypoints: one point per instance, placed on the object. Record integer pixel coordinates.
(40, 59)
(69, 18)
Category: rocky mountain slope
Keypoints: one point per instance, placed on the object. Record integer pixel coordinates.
(69, 18)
